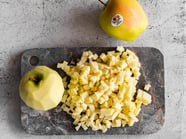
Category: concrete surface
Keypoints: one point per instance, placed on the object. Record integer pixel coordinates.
(28, 24)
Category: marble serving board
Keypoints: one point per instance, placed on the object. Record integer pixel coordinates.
(57, 122)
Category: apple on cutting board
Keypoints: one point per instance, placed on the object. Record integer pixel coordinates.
(123, 19)
(41, 88)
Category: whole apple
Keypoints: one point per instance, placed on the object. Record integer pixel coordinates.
(123, 19)
(41, 88)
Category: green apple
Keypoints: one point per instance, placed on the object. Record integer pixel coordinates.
(41, 88)
(123, 19)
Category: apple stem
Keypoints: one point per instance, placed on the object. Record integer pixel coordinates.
(102, 3)
(34, 80)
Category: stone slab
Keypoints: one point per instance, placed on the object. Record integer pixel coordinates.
(57, 122)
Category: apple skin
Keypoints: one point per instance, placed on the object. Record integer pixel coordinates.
(134, 19)
(41, 88)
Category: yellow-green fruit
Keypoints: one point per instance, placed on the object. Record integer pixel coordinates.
(123, 19)
(41, 88)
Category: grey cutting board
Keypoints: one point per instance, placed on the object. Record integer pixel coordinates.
(57, 122)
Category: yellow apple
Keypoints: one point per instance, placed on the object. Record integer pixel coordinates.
(41, 88)
(123, 19)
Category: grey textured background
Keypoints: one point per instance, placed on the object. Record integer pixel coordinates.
(28, 24)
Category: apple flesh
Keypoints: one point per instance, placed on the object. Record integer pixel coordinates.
(41, 88)
(123, 19)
